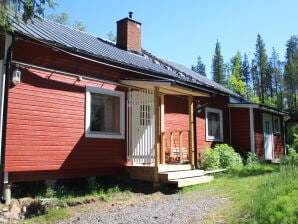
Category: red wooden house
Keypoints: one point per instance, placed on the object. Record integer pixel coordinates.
(75, 105)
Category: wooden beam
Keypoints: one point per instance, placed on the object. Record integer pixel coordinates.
(181, 146)
(157, 130)
(162, 127)
(191, 131)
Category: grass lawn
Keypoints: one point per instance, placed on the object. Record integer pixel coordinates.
(257, 198)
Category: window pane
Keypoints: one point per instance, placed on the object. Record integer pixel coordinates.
(105, 113)
(214, 125)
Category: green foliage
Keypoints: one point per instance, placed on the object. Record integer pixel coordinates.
(275, 200)
(292, 137)
(199, 68)
(64, 19)
(28, 9)
(218, 67)
(222, 156)
(291, 158)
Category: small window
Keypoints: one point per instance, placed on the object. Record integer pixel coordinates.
(276, 125)
(214, 124)
(104, 113)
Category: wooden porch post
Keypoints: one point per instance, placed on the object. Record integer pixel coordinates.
(157, 130)
(162, 128)
(191, 131)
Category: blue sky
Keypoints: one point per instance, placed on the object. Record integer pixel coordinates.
(182, 30)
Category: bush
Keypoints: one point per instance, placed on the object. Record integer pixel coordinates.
(222, 156)
(211, 159)
(291, 158)
(292, 137)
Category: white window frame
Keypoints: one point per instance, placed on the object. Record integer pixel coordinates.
(276, 129)
(93, 134)
(218, 111)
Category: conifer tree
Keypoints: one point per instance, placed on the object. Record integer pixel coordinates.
(199, 67)
(261, 63)
(218, 67)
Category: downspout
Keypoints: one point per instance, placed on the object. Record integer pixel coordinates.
(198, 109)
(4, 111)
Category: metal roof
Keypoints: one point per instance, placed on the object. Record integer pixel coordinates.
(79, 42)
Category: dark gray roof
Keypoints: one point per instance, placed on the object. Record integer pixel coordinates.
(79, 42)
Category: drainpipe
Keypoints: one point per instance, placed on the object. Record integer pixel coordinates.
(198, 109)
(4, 115)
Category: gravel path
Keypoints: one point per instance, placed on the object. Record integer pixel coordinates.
(156, 209)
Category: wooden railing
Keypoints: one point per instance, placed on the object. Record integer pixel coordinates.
(175, 146)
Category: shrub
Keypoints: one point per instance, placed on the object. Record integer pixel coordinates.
(228, 158)
(220, 157)
(211, 159)
(291, 158)
(292, 137)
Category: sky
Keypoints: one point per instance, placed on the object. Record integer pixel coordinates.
(182, 30)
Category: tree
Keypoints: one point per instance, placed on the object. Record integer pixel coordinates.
(291, 73)
(112, 36)
(236, 83)
(292, 46)
(291, 81)
(275, 71)
(26, 9)
(218, 67)
(245, 69)
(200, 67)
(64, 19)
(261, 63)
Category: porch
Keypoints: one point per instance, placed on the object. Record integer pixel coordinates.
(157, 152)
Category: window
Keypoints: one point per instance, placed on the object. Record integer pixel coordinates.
(276, 125)
(145, 118)
(214, 125)
(104, 113)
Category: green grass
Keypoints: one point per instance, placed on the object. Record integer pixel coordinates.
(52, 216)
(64, 198)
(275, 200)
(252, 196)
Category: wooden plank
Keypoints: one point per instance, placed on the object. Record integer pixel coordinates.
(181, 146)
(163, 147)
(191, 131)
(157, 130)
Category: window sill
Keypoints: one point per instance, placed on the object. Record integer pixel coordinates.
(110, 136)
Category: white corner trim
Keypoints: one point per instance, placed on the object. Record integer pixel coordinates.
(121, 95)
(252, 130)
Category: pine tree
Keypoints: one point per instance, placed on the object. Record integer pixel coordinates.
(276, 78)
(218, 67)
(261, 62)
(200, 67)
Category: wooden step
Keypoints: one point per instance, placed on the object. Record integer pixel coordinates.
(173, 167)
(184, 182)
(166, 176)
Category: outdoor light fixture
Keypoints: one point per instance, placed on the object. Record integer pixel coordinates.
(16, 76)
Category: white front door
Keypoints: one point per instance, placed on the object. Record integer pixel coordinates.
(141, 126)
(268, 136)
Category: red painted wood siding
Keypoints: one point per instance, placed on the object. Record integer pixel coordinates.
(240, 129)
(278, 139)
(259, 135)
(219, 102)
(45, 130)
(177, 118)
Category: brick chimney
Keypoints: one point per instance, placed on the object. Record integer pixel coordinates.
(129, 34)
